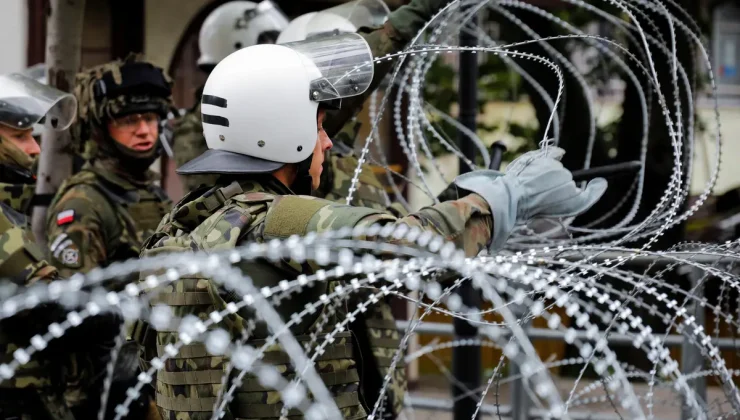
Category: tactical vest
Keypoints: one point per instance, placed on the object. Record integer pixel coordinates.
(189, 383)
(138, 210)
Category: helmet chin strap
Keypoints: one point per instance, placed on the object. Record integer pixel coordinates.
(303, 182)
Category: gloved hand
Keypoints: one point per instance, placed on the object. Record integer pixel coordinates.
(535, 185)
(408, 19)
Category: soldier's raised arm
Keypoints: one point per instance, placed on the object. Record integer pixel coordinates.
(264, 163)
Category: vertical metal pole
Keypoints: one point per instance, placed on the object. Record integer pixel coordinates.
(519, 397)
(466, 360)
(691, 358)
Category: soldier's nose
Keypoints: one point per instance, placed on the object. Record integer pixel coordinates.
(33, 148)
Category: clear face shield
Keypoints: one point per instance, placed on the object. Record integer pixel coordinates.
(25, 102)
(343, 66)
(348, 17)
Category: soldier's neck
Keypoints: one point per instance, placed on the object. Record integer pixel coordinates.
(286, 175)
(117, 168)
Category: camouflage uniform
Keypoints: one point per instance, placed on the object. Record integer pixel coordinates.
(261, 209)
(339, 168)
(34, 392)
(112, 216)
(376, 328)
(103, 214)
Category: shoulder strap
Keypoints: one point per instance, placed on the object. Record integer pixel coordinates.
(234, 213)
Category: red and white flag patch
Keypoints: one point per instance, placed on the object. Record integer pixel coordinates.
(67, 216)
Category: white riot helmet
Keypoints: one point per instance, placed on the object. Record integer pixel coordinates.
(260, 104)
(236, 25)
(347, 17)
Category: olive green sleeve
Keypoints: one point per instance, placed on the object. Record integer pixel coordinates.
(466, 222)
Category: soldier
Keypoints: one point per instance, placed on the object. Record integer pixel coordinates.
(376, 328)
(263, 162)
(105, 212)
(35, 390)
(231, 26)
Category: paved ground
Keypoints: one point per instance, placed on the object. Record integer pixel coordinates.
(666, 403)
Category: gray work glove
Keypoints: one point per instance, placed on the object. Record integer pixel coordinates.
(408, 19)
(535, 185)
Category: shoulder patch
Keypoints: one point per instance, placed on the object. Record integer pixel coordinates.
(290, 215)
(65, 217)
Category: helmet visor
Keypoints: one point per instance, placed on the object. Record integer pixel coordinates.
(25, 102)
(344, 61)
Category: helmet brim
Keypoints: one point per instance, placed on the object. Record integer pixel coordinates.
(224, 162)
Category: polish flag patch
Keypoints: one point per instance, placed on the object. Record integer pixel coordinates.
(67, 216)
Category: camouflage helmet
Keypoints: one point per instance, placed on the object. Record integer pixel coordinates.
(116, 89)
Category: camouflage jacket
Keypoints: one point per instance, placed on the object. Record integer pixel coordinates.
(21, 262)
(259, 210)
(100, 216)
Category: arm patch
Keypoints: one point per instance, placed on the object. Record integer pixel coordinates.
(290, 215)
(298, 215)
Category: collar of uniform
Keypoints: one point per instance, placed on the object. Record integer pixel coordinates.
(111, 171)
(257, 183)
(272, 185)
(197, 206)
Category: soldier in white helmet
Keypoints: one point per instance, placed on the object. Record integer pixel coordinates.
(231, 27)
